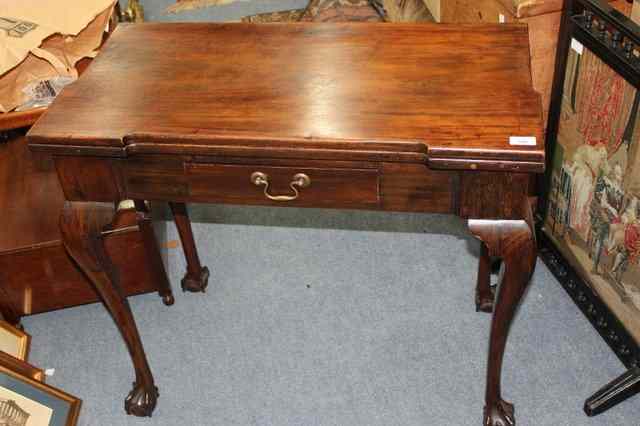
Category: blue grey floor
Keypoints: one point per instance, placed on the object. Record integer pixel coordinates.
(331, 318)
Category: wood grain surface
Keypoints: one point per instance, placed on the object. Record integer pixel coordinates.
(27, 189)
(456, 91)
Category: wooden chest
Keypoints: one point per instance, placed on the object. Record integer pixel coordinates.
(36, 274)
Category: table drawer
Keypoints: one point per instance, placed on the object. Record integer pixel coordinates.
(283, 185)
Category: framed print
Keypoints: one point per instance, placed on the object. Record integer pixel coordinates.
(25, 401)
(589, 223)
(14, 341)
(21, 367)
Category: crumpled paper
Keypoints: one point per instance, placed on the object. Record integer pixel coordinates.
(42, 39)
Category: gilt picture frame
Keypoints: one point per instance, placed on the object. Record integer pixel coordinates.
(14, 341)
(26, 401)
(21, 367)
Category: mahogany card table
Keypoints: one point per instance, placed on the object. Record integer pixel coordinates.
(395, 117)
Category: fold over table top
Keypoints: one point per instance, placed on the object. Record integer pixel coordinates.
(450, 92)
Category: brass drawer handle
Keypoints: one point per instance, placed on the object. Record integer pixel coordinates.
(300, 180)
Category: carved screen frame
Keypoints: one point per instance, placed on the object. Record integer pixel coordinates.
(615, 40)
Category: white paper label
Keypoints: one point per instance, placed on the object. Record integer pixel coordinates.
(522, 140)
(577, 46)
(501, 19)
(49, 372)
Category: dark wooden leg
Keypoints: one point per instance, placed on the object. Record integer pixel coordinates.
(81, 226)
(153, 252)
(620, 389)
(197, 276)
(513, 241)
(485, 292)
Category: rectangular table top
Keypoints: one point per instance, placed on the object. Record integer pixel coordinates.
(449, 91)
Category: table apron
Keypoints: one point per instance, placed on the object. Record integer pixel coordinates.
(389, 186)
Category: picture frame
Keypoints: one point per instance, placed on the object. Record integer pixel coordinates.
(14, 341)
(588, 212)
(23, 398)
(21, 367)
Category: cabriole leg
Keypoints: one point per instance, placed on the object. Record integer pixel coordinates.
(81, 226)
(197, 276)
(513, 241)
(152, 251)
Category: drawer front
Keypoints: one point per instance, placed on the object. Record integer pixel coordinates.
(283, 185)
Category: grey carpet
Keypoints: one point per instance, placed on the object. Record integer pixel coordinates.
(331, 318)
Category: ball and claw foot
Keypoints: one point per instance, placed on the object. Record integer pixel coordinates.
(141, 401)
(198, 283)
(168, 299)
(484, 302)
(500, 414)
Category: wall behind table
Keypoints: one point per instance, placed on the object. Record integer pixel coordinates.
(154, 10)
